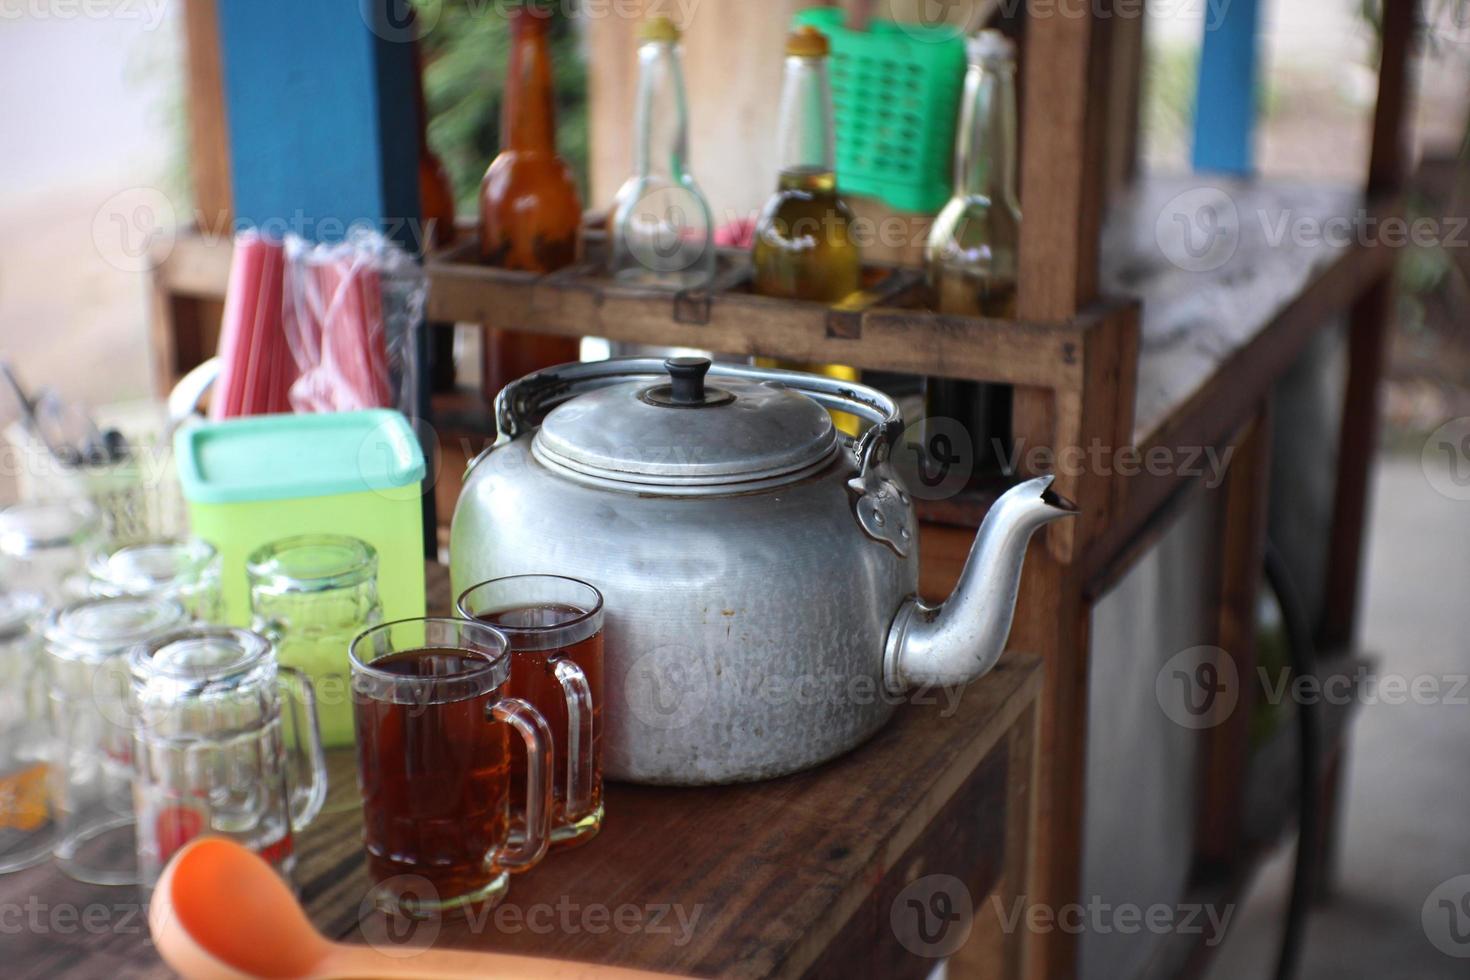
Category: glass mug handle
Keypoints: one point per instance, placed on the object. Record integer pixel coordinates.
(533, 730)
(306, 800)
(579, 736)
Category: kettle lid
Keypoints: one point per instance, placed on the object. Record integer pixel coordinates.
(682, 436)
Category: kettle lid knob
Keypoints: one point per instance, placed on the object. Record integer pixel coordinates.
(686, 376)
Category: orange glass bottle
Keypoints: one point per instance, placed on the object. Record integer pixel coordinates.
(529, 207)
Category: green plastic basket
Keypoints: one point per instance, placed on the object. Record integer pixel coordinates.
(895, 95)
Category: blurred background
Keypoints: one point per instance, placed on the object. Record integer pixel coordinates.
(103, 111)
(95, 107)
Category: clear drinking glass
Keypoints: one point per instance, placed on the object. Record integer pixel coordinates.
(87, 644)
(186, 570)
(210, 748)
(27, 822)
(44, 544)
(310, 596)
(554, 625)
(433, 752)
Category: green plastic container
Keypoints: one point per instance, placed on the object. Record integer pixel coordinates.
(251, 481)
(895, 95)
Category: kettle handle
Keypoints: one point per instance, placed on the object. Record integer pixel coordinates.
(522, 403)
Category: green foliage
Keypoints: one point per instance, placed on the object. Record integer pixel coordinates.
(465, 57)
(1171, 73)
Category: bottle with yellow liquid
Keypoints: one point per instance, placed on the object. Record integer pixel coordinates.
(971, 254)
(804, 247)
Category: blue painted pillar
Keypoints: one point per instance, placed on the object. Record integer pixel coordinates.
(321, 112)
(1225, 100)
(324, 130)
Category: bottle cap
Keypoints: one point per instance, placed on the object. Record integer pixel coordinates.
(658, 29)
(807, 42)
(990, 45)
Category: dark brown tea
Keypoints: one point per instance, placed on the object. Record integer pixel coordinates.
(533, 679)
(434, 773)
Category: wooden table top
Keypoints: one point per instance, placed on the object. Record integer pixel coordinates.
(751, 880)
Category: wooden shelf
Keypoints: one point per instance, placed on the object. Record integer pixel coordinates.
(1211, 343)
(870, 331)
(787, 877)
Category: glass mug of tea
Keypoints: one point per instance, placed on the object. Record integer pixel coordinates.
(433, 746)
(554, 625)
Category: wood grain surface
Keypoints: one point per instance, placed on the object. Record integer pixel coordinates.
(780, 878)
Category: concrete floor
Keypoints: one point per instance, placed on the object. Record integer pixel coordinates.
(1406, 826)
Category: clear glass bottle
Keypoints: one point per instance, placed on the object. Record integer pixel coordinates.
(310, 595)
(804, 247)
(187, 571)
(28, 823)
(210, 748)
(971, 254)
(662, 229)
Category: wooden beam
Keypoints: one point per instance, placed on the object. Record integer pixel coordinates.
(1367, 342)
(1064, 83)
(1242, 542)
(209, 141)
(1065, 77)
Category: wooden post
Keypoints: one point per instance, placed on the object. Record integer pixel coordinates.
(1367, 337)
(1368, 322)
(1242, 537)
(209, 142)
(1062, 174)
(321, 116)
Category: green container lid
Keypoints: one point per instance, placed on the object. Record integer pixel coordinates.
(282, 457)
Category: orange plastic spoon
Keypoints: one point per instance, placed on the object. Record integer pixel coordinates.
(221, 913)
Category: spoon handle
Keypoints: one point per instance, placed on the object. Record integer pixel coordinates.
(345, 961)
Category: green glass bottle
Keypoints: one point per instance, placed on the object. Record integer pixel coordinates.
(804, 247)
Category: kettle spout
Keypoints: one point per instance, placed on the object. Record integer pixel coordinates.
(959, 640)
